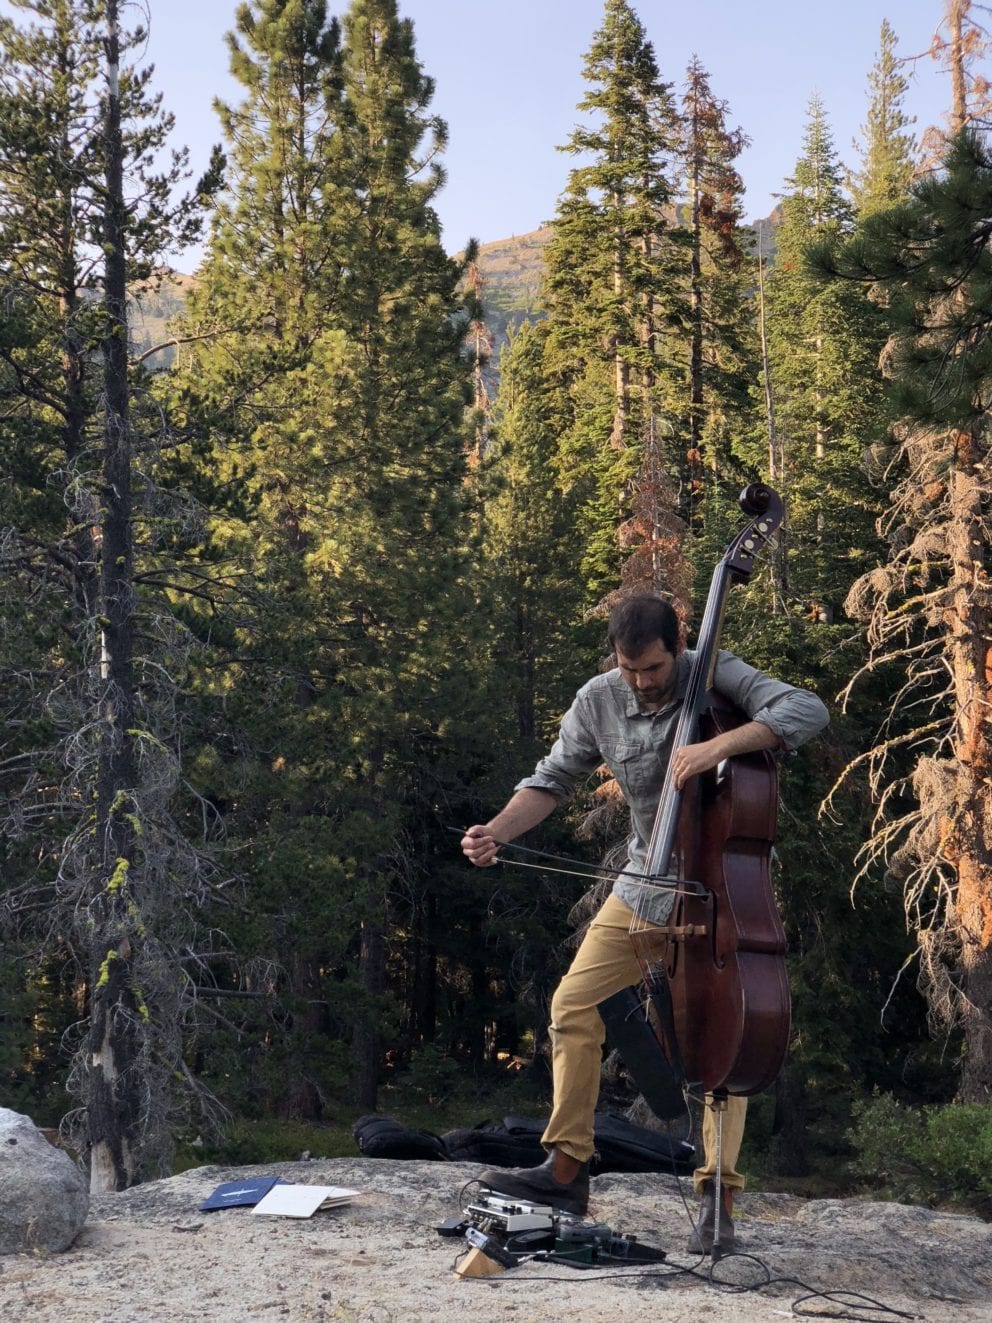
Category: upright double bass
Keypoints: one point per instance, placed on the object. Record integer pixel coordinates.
(719, 984)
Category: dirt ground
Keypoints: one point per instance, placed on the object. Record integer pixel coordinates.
(148, 1256)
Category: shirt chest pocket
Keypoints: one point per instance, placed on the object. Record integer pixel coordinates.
(636, 767)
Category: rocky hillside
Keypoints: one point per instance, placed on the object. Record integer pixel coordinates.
(152, 308)
(510, 270)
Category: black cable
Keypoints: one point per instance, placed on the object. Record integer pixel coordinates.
(866, 1307)
(849, 1300)
(813, 1293)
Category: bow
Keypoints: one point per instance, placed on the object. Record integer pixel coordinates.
(591, 872)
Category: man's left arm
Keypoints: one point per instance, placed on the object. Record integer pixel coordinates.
(782, 717)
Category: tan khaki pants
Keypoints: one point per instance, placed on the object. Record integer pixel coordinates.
(605, 963)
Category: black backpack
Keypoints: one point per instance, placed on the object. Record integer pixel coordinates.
(382, 1137)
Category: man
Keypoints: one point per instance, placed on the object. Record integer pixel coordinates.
(627, 718)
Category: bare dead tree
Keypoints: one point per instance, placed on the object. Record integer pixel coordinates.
(105, 877)
(928, 610)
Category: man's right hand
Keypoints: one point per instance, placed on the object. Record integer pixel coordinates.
(478, 846)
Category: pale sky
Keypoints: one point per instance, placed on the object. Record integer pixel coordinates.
(508, 77)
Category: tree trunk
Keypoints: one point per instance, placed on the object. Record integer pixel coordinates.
(968, 621)
(695, 310)
(621, 370)
(367, 1038)
(113, 1102)
(956, 11)
(301, 1097)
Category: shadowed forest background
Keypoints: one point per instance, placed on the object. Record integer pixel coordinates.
(303, 557)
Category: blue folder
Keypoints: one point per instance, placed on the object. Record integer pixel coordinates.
(241, 1194)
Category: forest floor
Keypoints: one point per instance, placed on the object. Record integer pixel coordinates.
(149, 1256)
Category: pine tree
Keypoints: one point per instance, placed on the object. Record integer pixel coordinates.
(928, 610)
(93, 781)
(888, 151)
(402, 317)
(826, 385)
(530, 547)
(336, 390)
(721, 350)
(960, 43)
(828, 403)
(612, 289)
(539, 652)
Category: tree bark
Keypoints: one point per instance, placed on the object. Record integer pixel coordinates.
(367, 1039)
(968, 620)
(113, 1102)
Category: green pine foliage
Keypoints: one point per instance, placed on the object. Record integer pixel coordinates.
(614, 299)
(846, 953)
(823, 343)
(888, 151)
(540, 651)
(722, 348)
(530, 554)
(336, 392)
(926, 610)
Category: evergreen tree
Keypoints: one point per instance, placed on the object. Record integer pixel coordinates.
(927, 611)
(961, 43)
(613, 290)
(531, 551)
(720, 343)
(888, 151)
(822, 348)
(402, 317)
(93, 777)
(823, 345)
(344, 372)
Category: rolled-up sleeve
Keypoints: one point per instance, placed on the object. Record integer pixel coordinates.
(573, 756)
(793, 714)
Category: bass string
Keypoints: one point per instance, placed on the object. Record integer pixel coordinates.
(670, 799)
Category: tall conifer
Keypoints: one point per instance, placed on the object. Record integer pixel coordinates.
(887, 150)
(336, 379)
(927, 611)
(826, 384)
(718, 360)
(613, 286)
(92, 787)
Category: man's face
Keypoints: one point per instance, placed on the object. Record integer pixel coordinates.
(651, 674)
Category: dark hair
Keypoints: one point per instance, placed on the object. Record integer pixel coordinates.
(637, 622)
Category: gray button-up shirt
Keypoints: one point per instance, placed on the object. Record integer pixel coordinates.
(606, 724)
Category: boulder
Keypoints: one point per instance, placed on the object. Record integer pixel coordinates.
(44, 1197)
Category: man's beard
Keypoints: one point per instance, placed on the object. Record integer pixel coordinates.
(651, 697)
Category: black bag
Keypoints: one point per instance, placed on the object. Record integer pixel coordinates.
(621, 1145)
(516, 1142)
(382, 1137)
(492, 1144)
(624, 1146)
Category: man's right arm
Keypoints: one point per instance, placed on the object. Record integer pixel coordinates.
(574, 755)
(526, 809)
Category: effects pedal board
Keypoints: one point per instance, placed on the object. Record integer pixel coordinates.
(497, 1215)
(511, 1231)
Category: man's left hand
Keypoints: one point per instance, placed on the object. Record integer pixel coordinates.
(692, 759)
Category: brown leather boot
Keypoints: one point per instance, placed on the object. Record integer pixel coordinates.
(561, 1181)
(701, 1240)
